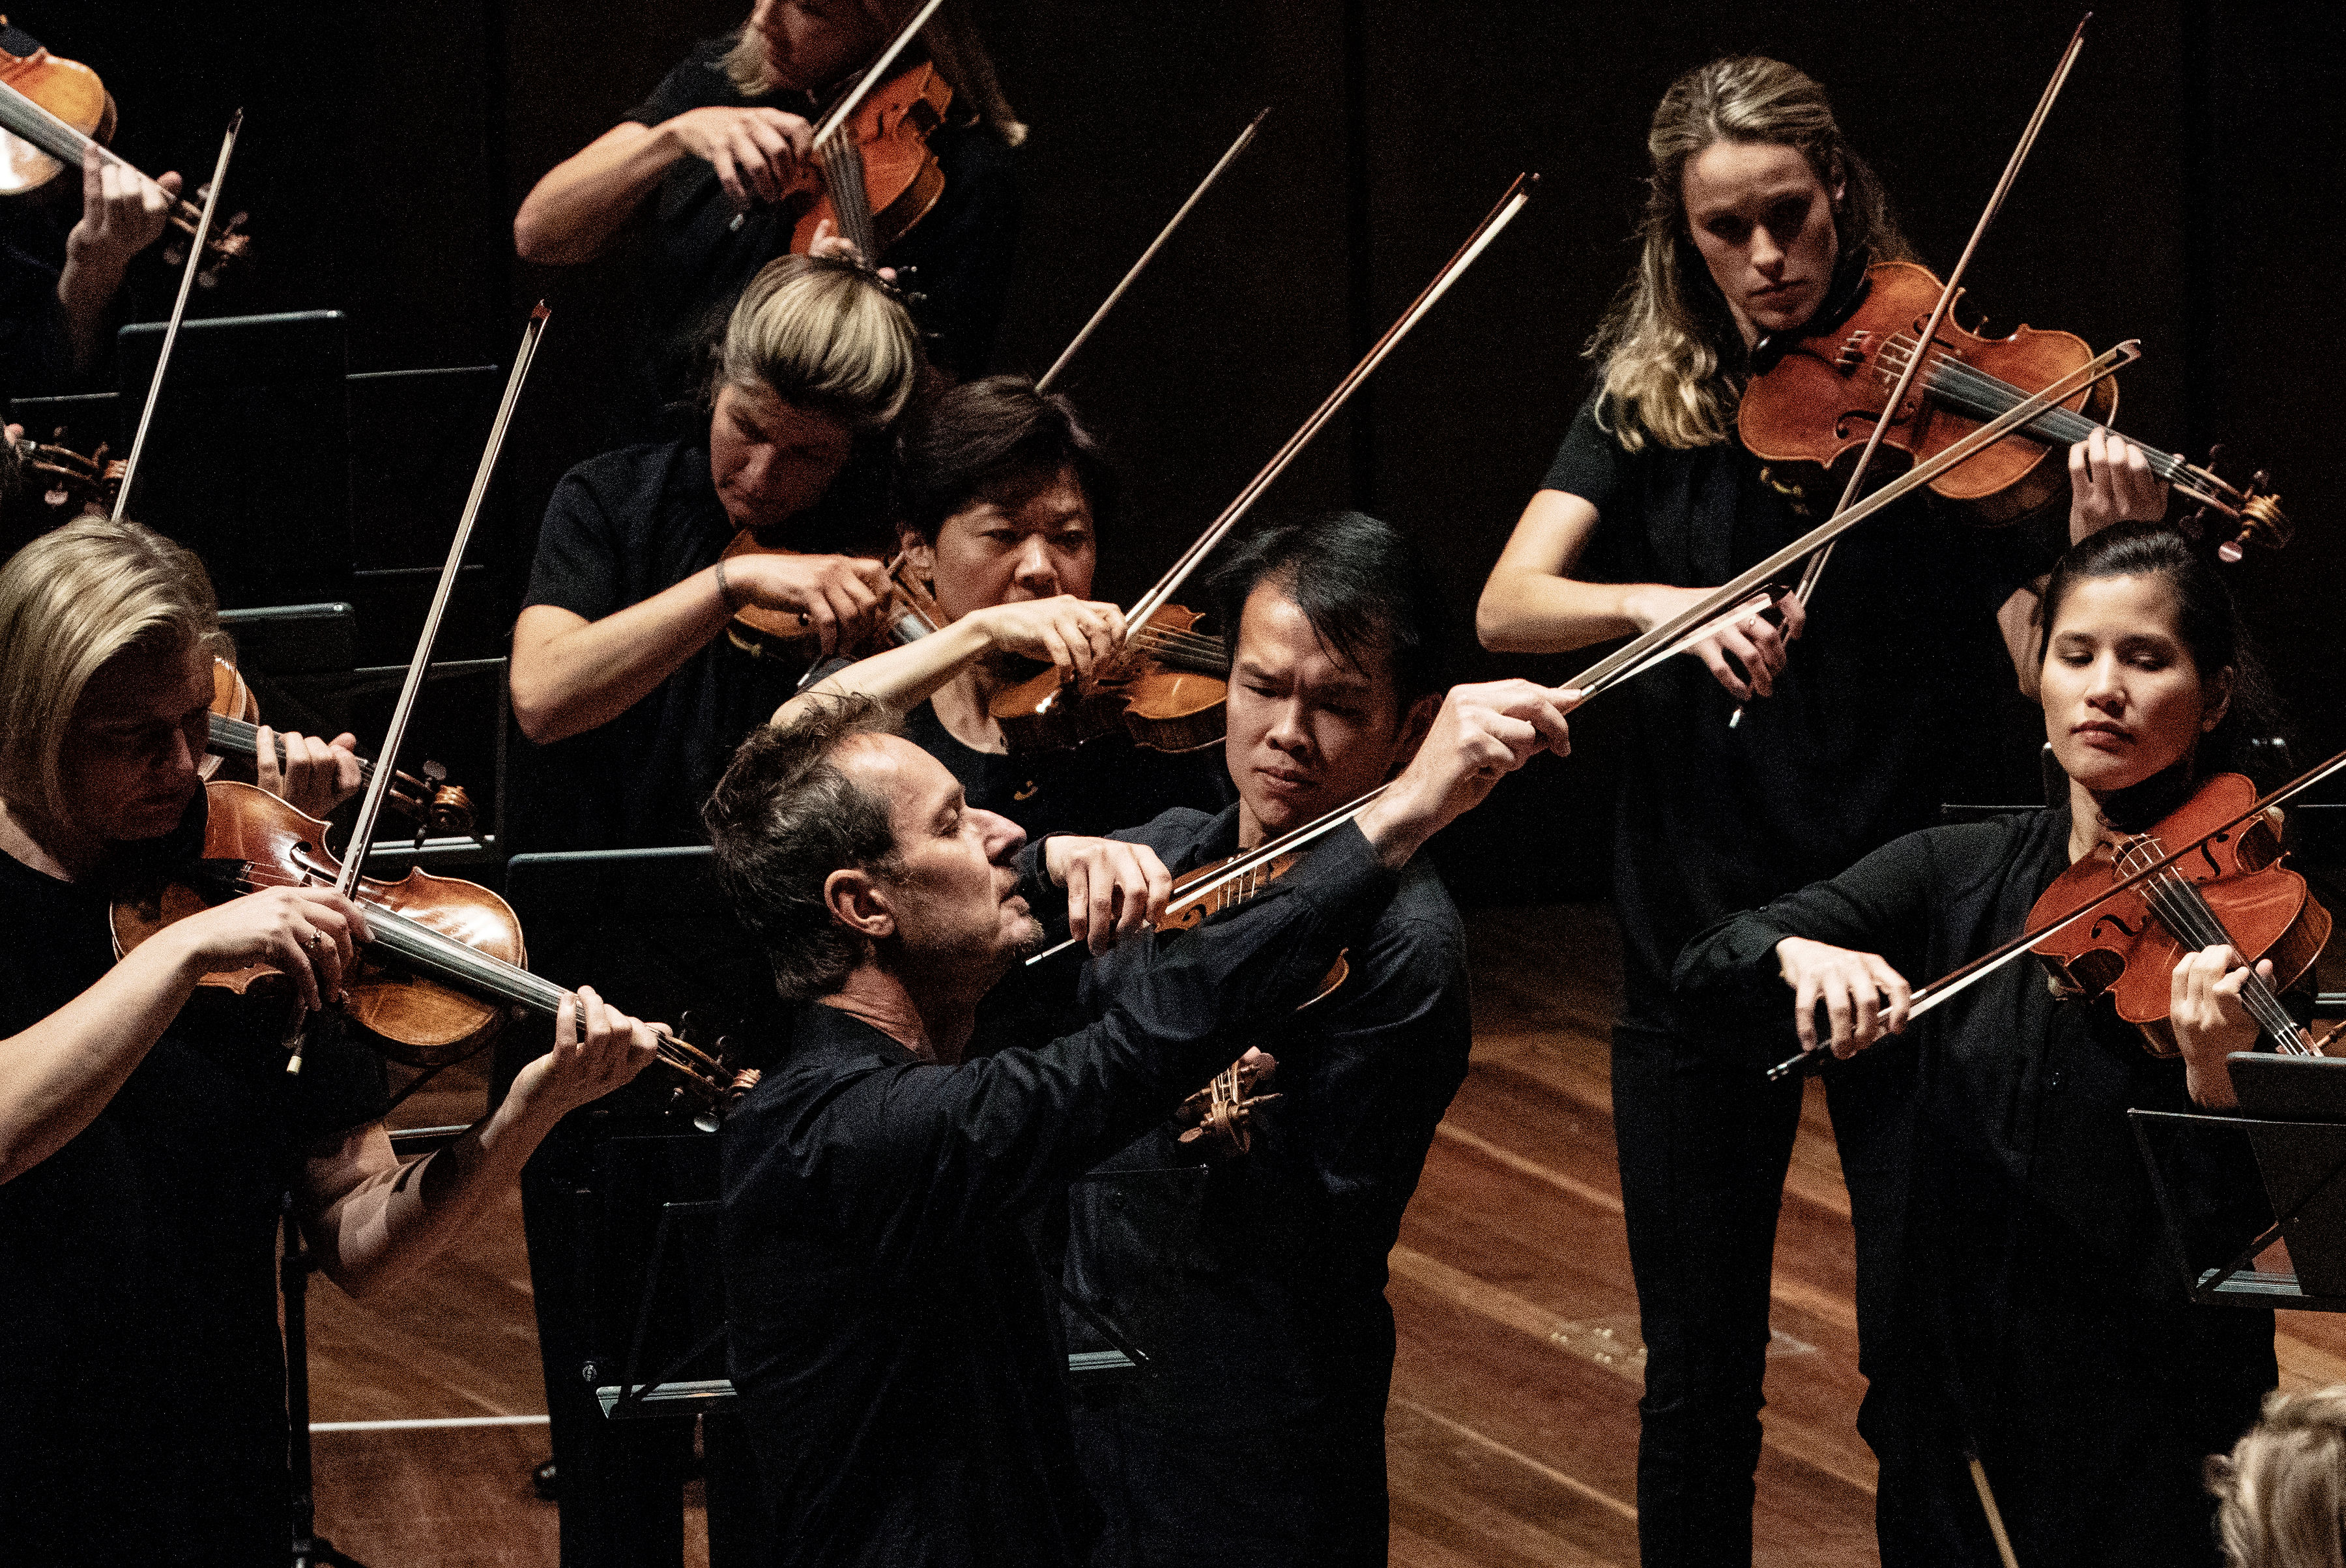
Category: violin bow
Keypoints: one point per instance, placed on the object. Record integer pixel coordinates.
(1511, 203)
(1642, 652)
(386, 757)
(1246, 138)
(179, 311)
(1949, 985)
(1938, 316)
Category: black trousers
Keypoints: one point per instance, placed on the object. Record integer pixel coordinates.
(1703, 1141)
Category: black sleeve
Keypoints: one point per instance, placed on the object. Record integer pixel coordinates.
(577, 568)
(1880, 905)
(1385, 1072)
(1591, 465)
(693, 84)
(936, 1152)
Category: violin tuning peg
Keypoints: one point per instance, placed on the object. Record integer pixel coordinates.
(2259, 480)
(2215, 456)
(436, 772)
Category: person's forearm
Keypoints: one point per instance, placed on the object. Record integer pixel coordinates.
(1523, 611)
(58, 1075)
(583, 677)
(2015, 621)
(903, 677)
(86, 294)
(571, 214)
(396, 1220)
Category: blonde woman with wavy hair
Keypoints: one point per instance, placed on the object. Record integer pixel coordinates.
(706, 166)
(148, 1138)
(2280, 1493)
(1760, 220)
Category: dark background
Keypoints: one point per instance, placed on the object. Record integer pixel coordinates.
(2184, 193)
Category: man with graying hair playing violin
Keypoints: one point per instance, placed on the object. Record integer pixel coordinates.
(149, 1130)
(892, 1340)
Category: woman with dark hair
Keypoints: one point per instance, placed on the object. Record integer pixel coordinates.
(2036, 1319)
(704, 159)
(1760, 218)
(1001, 493)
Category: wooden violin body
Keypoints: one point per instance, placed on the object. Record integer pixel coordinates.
(880, 176)
(1166, 689)
(2130, 947)
(414, 1019)
(910, 613)
(66, 88)
(1816, 399)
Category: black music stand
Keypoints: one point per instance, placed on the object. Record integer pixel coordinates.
(2292, 1114)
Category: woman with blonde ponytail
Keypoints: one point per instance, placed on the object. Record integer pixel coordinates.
(1864, 713)
(701, 162)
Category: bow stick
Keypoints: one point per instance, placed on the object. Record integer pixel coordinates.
(1455, 267)
(1947, 295)
(1246, 138)
(1950, 985)
(178, 311)
(1643, 651)
(361, 834)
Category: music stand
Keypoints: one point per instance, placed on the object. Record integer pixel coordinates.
(2293, 1116)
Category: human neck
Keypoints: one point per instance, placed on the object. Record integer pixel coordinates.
(932, 1025)
(48, 847)
(965, 707)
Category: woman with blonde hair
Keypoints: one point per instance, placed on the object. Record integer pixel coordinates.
(1760, 221)
(708, 157)
(2280, 1493)
(148, 1131)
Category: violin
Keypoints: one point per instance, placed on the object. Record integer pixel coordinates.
(910, 613)
(1166, 686)
(71, 485)
(431, 802)
(2233, 889)
(1817, 397)
(445, 966)
(53, 108)
(878, 175)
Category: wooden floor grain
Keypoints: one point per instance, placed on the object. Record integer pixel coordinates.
(1512, 1426)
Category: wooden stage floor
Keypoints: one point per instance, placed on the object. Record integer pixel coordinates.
(1513, 1424)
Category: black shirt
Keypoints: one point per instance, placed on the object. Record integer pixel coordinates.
(896, 1357)
(1883, 712)
(145, 1414)
(696, 263)
(621, 528)
(1257, 1283)
(2036, 1287)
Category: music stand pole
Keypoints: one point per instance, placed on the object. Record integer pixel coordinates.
(309, 1549)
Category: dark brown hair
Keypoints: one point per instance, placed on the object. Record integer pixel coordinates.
(981, 432)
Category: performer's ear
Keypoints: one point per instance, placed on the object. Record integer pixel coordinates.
(856, 901)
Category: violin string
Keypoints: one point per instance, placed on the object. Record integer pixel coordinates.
(235, 736)
(1975, 392)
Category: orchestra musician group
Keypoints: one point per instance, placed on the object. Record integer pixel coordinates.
(797, 620)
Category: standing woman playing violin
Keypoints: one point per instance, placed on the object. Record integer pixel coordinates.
(622, 673)
(148, 1131)
(2034, 1314)
(727, 135)
(1855, 733)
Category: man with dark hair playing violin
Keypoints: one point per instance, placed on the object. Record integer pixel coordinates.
(147, 1128)
(713, 156)
(891, 1340)
(1255, 1278)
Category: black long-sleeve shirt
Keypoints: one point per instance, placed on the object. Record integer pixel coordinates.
(1257, 1284)
(894, 1349)
(2036, 1301)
